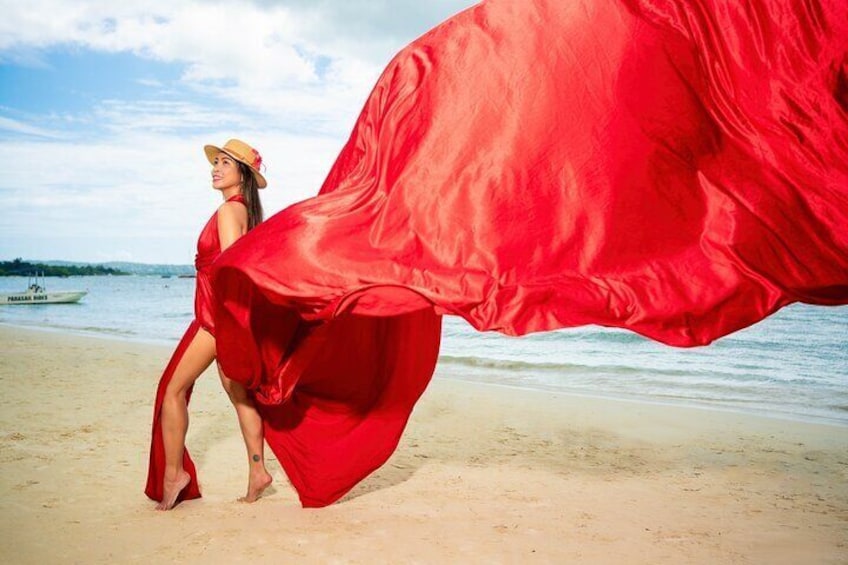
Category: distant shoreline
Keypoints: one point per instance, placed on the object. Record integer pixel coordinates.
(19, 267)
(29, 267)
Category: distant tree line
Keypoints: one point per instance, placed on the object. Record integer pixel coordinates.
(19, 267)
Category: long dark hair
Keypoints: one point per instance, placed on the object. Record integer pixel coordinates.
(250, 192)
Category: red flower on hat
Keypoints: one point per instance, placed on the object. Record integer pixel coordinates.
(257, 159)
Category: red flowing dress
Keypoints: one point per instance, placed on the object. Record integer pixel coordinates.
(208, 250)
(677, 168)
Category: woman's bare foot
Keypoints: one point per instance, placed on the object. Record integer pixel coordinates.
(256, 485)
(172, 489)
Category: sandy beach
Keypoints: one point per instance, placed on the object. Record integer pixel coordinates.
(484, 474)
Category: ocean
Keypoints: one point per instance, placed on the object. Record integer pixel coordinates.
(792, 365)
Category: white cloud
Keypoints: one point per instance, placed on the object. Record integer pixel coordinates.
(290, 77)
(301, 63)
(150, 186)
(15, 126)
(263, 45)
(151, 82)
(121, 116)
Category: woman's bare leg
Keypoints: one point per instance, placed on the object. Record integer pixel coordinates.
(198, 356)
(250, 423)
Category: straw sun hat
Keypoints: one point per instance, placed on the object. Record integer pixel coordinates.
(241, 152)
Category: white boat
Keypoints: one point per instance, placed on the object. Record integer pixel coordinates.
(38, 294)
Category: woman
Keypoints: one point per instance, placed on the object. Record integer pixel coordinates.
(171, 474)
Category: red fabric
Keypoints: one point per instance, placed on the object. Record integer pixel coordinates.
(208, 250)
(156, 465)
(677, 168)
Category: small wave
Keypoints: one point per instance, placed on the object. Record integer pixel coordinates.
(72, 329)
(610, 335)
(92, 329)
(508, 365)
(100, 330)
(547, 367)
(600, 336)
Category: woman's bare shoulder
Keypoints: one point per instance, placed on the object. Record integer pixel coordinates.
(233, 207)
(232, 212)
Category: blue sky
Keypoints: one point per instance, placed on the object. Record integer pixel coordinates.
(104, 109)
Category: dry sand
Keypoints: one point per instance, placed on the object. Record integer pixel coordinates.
(484, 474)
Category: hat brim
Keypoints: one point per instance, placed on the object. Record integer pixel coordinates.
(212, 152)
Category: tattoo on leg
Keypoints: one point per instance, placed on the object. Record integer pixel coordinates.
(256, 458)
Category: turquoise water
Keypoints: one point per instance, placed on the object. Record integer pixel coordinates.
(793, 364)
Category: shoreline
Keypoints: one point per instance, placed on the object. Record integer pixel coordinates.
(93, 334)
(449, 371)
(653, 401)
(482, 474)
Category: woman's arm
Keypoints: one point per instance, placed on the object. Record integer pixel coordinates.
(232, 223)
